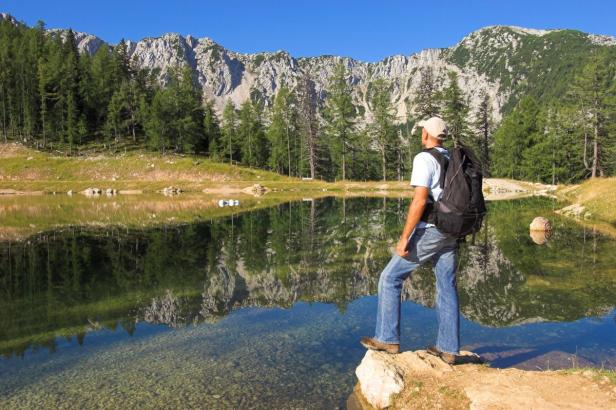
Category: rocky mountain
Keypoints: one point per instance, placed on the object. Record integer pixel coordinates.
(503, 61)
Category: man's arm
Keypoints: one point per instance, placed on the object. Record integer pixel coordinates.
(416, 208)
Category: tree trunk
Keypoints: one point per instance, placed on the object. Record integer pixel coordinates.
(311, 159)
(595, 153)
(4, 117)
(343, 160)
(486, 152)
(383, 168)
(132, 121)
(288, 148)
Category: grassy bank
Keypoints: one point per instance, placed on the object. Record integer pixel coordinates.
(597, 195)
(26, 170)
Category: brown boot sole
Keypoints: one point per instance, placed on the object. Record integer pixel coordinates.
(446, 357)
(453, 359)
(370, 343)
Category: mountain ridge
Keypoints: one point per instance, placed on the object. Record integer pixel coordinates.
(495, 60)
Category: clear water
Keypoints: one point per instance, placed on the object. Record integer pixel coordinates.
(264, 309)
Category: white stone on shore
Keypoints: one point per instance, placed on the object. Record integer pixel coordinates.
(92, 192)
(379, 378)
(540, 224)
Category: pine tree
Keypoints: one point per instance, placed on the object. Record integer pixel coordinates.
(590, 93)
(103, 85)
(228, 131)
(158, 121)
(251, 136)
(283, 133)
(426, 100)
(307, 103)
(72, 121)
(382, 128)
(115, 109)
(43, 83)
(211, 131)
(455, 110)
(69, 87)
(339, 115)
(189, 112)
(515, 135)
(483, 125)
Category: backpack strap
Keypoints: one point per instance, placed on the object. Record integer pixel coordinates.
(428, 213)
(442, 161)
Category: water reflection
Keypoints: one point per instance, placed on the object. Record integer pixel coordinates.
(67, 283)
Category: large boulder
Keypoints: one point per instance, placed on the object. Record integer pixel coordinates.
(540, 224)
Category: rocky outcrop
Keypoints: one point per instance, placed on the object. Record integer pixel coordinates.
(171, 191)
(256, 190)
(412, 380)
(574, 211)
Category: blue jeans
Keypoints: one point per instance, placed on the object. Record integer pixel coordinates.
(425, 244)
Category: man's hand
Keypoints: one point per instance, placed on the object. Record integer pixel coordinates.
(416, 208)
(401, 248)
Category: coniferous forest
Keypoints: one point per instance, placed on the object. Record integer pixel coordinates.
(53, 97)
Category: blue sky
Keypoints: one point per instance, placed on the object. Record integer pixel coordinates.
(366, 30)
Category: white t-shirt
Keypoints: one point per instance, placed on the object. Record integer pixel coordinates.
(426, 172)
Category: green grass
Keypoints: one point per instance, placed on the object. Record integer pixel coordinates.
(25, 169)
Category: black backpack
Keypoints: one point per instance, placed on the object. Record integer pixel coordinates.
(461, 207)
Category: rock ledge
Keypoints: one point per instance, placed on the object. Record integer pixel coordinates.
(419, 380)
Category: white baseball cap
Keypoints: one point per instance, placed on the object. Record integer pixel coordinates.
(435, 127)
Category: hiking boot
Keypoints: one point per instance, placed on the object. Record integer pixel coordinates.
(448, 358)
(452, 359)
(373, 344)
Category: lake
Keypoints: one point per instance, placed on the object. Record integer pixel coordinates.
(265, 308)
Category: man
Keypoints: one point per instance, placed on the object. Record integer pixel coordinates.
(420, 242)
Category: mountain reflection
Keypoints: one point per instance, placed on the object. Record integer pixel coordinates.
(66, 283)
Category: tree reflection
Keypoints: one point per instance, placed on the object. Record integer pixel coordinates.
(69, 282)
